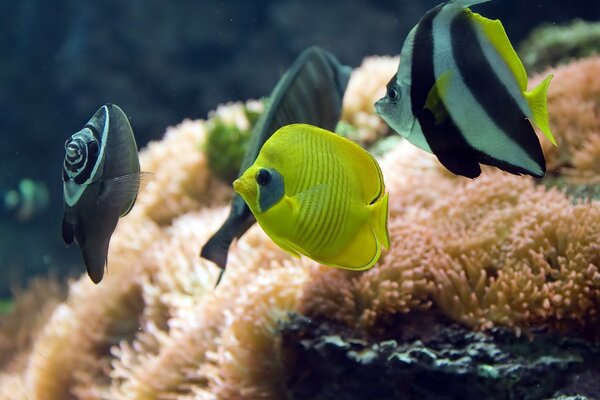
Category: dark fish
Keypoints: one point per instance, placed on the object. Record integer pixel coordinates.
(101, 177)
(461, 93)
(310, 92)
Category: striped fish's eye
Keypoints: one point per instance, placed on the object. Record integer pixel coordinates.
(392, 94)
(263, 177)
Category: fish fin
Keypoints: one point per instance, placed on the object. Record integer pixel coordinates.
(495, 33)
(464, 164)
(361, 254)
(121, 155)
(217, 247)
(537, 100)
(379, 218)
(122, 191)
(95, 260)
(68, 231)
(467, 3)
(434, 101)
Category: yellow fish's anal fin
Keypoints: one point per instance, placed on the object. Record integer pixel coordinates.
(362, 252)
(496, 34)
(537, 100)
(434, 101)
(379, 219)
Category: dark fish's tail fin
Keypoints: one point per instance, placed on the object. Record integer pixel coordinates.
(217, 248)
(94, 256)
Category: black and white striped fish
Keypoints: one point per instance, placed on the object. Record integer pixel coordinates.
(460, 93)
(311, 92)
(101, 178)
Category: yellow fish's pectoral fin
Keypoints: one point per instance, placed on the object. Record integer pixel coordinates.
(286, 246)
(434, 101)
(379, 219)
(495, 33)
(537, 100)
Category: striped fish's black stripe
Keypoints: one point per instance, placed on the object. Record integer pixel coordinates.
(444, 139)
(492, 94)
(94, 131)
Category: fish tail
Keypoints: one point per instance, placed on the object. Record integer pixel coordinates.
(217, 247)
(379, 217)
(537, 99)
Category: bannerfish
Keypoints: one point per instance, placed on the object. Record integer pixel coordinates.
(101, 177)
(460, 93)
(318, 194)
(311, 91)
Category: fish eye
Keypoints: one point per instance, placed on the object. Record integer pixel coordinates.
(263, 177)
(392, 94)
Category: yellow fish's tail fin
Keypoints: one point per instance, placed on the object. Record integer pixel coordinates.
(537, 99)
(379, 218)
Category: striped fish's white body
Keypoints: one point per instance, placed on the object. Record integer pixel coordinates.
(317, 194)
(460, 94)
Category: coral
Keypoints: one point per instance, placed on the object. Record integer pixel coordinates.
(498, 252)
(552, 45)
(574, 109)
(181, 181)
(366, 86)
(229, 128)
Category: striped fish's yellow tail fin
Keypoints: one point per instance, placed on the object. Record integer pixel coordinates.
(379, 218)
(537, 99)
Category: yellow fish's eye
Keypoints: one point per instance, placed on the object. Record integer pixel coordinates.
(263, 177)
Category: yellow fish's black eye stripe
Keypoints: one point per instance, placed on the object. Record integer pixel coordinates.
(444, 139)
(481, 80)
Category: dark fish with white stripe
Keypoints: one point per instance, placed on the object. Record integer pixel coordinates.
(461, 93)
(101, 178)
(311, 92)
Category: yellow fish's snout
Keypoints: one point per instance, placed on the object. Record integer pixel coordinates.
(245, 186)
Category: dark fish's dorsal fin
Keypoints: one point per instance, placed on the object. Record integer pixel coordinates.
(121, 154)
(310, 92)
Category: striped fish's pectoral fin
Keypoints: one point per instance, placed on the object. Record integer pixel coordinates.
(537, 100)
(67, 231)
(435, 98)
(122, 191)
(495, 33)
(287, 246)
(460, 163)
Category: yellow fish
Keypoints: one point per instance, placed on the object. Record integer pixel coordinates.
(318, 194)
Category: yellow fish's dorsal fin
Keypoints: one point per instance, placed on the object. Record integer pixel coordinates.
(434, 101)
(537, 100)
(358, 159)
(495, 33)
(379, 211)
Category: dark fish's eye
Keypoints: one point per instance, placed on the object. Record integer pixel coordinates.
(263, 177)
(392, 94)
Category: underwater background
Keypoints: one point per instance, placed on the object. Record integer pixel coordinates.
(165, 62)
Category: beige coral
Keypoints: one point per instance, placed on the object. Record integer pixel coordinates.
(366, 86)
(574, 109)
(497, 250)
